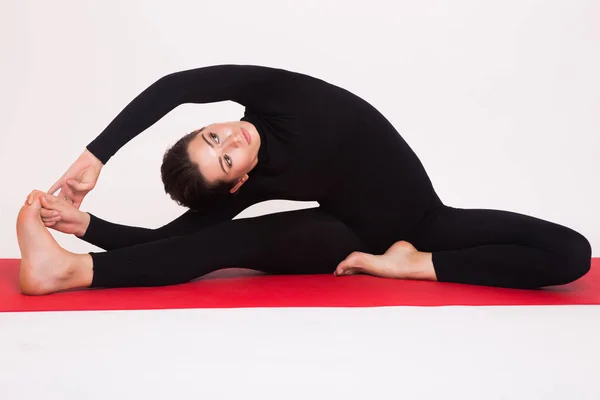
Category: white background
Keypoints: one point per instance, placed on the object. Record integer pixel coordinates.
(499, 99)
(416, 353)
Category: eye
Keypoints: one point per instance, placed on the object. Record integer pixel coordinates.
(228, 160)
(214, 137)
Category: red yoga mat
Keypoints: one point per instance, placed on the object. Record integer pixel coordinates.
(239, 288)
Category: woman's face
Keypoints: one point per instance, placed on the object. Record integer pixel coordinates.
(226, 151)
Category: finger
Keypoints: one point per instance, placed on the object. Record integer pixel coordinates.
(53, 201)
(53, 219)
(67, 195)
(49, 202)
(80, 186)
(50, 224)
(55, 187)
(70, 201)
(63, 194)
(45, 213)
(37, 194)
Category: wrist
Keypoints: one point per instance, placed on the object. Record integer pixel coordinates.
(83, 224)
(94, 158)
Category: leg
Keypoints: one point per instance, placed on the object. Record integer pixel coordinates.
(481, 247)
(501, 248)
(304, 241)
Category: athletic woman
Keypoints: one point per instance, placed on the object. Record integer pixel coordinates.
(300, 138)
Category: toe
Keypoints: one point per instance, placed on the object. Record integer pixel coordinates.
(30, 197)
(350, 265)
(356, 262)
(36, 205)
(339, 270)
(342, 268)
(47, 202)
(357, 259)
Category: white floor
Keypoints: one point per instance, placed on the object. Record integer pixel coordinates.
(312, 353)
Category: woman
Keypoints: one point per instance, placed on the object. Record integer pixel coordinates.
(300, 139)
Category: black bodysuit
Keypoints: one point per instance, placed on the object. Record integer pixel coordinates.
(319, 143)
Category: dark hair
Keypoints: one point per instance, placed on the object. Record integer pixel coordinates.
(183, 181)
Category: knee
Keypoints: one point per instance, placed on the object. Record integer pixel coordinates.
(577, 252)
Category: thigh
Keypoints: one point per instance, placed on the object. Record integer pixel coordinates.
(450, 228)
(297, 242)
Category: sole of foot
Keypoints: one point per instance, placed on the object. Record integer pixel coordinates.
(45, 266)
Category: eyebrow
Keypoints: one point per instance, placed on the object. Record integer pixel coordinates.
(213, 146)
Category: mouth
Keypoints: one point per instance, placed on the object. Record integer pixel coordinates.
(247, 136)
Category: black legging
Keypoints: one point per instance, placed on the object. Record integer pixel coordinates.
(501, 248)
(472, 246)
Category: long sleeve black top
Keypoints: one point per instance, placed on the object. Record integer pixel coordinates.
(319, 142)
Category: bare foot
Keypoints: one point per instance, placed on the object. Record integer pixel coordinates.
(45, 266)
(401, 261)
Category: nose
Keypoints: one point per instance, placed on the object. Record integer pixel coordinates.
(234, 140)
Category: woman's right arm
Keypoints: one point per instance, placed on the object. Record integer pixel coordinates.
(264, 89)
(78, 180)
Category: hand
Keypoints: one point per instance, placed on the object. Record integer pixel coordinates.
(60, 214)
(80, 178)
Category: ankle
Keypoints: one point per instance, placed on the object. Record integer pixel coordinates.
(74, 272)
(81, 270)
(422, 267)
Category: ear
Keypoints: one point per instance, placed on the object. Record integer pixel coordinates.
(239, 184)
